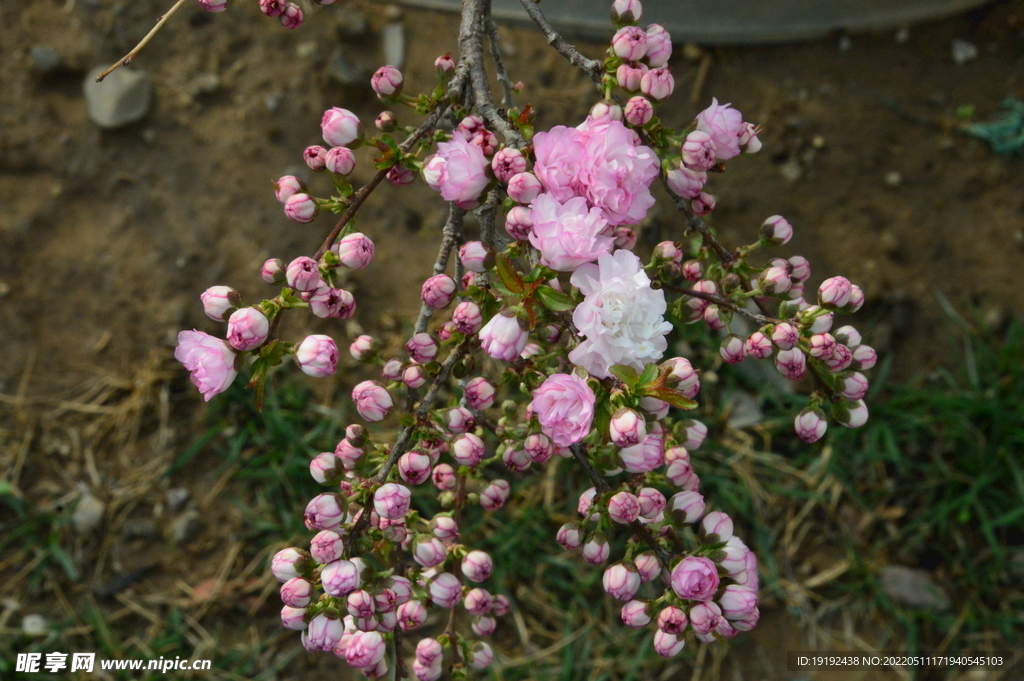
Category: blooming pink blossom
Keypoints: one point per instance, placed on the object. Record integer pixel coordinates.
(211, 362)
(564, 405)
(616, 172)
(458, 171)
(503, 337)
(725, 126)
(568, 235)
(560, 154)
(695, 578)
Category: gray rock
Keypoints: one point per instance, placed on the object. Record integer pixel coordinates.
(185, 527)
(345, 70)
(45, 59)
(122, 98)
(962, 51)
(88, 513)
(912, 588)
(393, 38)
(203, 84)
(177, 498)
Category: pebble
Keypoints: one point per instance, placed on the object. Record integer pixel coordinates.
(185, 527)
(902, 35)
(393, 38)
(178, 497)
(34, 625)
(893, 179)
(88, 513)
(791, 170)
(912, 588)
(203, 84)
(122, 98)
(845, 44)
(963, 51)
(45, 59)
(139, 528)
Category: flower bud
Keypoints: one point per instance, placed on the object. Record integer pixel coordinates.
(326, 469)
(856, 301)
(570, 536)
(438, 291)
(657, 83)
(391, 501)
(365, 650)
(340, 127)
(386, 121)
(623, 508)
(606, 108)
(291, 18)
(287, 186)
(738, 602)
(293, 618)
(340, 578)
(400, 176)
(467, 317)
(477, 566)
(414, 467)
(791, 363)
(373, 402)
(467, 449)
(777, 230)
(652, 502)
(538, 447)
(630, 43)
(326, 547)
(387, 81)
(810, 424)
(853, 414)
(363, 348)
(672, 620)
(524, 187)
(503, 337)
(303, 274)
(340, 161)
(759, 346)
(686, 507)
(647, 566)
(332, 303)
(444, 477)
(703, 204)
(626, 11)
(301, 208)
(733, 349)
(659, 45)
(686, 183)
(635, 615)
(360, 604)
(445, 590)
(494, 495)
(459, 420)
(474, 256)
(477, 602)
(668, 645)
(501, 606)
(629, 76)
(774, 280)
(717, 527)
(821, 345)
(698, 151)
(507, 163)
(348, 453)
(479, 393)
(855, 386)
(219, 301)
(785, 336)
(596, 550)
(681, 474)
(428, 651)
(834, 292)
(355, 250)
(315, 157)
(704, 617)
(429, 551)
(411, 615)
(444, 65)
(627, 428)
(864, 357)
(519, 223)
(317, 356)
(480, 655)
(421, 348)
(323, 634)
(290, 563)
(695, 578)
(324, 512)
(621, 581)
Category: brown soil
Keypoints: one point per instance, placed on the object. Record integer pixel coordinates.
(107, 238)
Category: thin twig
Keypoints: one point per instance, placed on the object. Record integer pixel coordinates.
(142, 43)
(508, 88)
(591, 67)
(452, 235)
(475, 14)
(726, 303)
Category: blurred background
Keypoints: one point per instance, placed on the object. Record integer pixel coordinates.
(137, 521)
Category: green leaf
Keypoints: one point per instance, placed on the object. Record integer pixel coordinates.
(556, 301)
(626, 374)
(673, 397)
(509, 277)
(649, 374)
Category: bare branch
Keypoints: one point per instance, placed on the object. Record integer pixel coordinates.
(451, 237)
(127, 59)
(591, 67)
(726, 303)
(508, 89)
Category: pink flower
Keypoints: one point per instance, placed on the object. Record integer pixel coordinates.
(290, 563)
(365, 649)
(458, 171)
(570, 536)
(564, 405)
(635, 615)
(695, 579)
(508, 162)
(568, 235)
(686, 507)
(629, 43)
(323, 633)
(340, 127)
(685, 182)
(473, 255)
(387, 81)
(355, 250)
(719, 525)
(291, 17)
(657, 83)
(316, 157)
(303, 274)
(391, 501)
(247, 328)
(211, 361)
(327, 546)
(503, 337)
(421, 348)
(333, 303)
(659, 45)
(705, 617)
(621, 581)
(373, 402)
(317, 355)
(617, 173)
(467, 317)
(725, 126)
(699, 151)
(495, 495)
(560, 156)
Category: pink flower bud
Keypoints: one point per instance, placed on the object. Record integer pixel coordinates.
(411, 615)
(391, 501)
(621, 581)
(596, 550)
(777, 230)
(400, 176)
(301, 208)
(570, 536)
(348, 453)
(445, 590)
(627, 428)
(360, 604)
(735, 552)
(686, 507)
(630, 43)
(855, 386)
(483, 625)
(703, 204)
(759, 346)
(291, 17)
(386, 121)
(428, 651)
(479, 393)
(477, 566)
(467, 449)
(273, 271)
(355, 250)
(477, 602)
(647, 566)
(821, 345)
(288, 186)
(623, 508)
(503, 337)
(340, 127)
(219, 301)
(681, 474)
(629, 76)
(652, 502)
(444, 528)
(459, 420)
(373, 402)
(785, 336)
(626, 11)
(315, 157)
(848, 336)
(247, 329)
(392, 370)
(659, 45)
(414, 467)
(738, 602)
(668, 645)
(586, 501)
(480, 655)
(326, 469)
(467, 317)
(538, 447)
(774, 280)
(704, 617)
(387, 81)
(324, 512)
(273, 8)
(429, 551)
(326, 547)
(635, 615)
(501, 606)
(682, 377)
(507, 163)
(332, 303)
(810, 424)
(698, 151)
(799, 268)
(293, 618)
(864, 357)
(494, 495)
(791, 363)
(422, 348)
(639, 111)
(414, 376)
(717, 527)
(340, 578)
(303, 274)
(365, 649)
(819, 320)
(214, 5)
(474, 256)
(444, 477)
(524, 187)
(686, 183)
(672, 620)
(733, 349)
(438, 291)
(606, 108)
(323, 633)
(340, 161)
(290, 563)
(695, 578)
(852, 414)
(444, 65)
(856, 301)
(657, 83)
(834, 292)
(676, 453)
(363, 348)
(519, 223)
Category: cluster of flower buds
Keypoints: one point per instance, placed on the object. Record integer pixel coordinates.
(288, 13)
(565, 313)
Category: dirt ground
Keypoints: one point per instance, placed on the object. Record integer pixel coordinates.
(108, 237)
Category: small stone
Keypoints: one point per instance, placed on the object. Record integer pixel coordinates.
(791, 170)
(203, 84)
(34, 625)
(902, 35)
(845, 44)
(45, 59)
(307, 50)
(393, 38)
(140, 528)
(88, 513)
(5, 288)
(818, 142)
(963, 51)
(123, 97)
(178, 497)
(893, 178)
(185, 527)
(912, 588)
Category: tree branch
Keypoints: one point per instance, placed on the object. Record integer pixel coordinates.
(508, 88)
(726, 303)
(592, 67)
(127, 59)
(475, 15)
(451, 236)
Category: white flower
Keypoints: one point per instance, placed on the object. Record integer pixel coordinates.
(621, 316)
